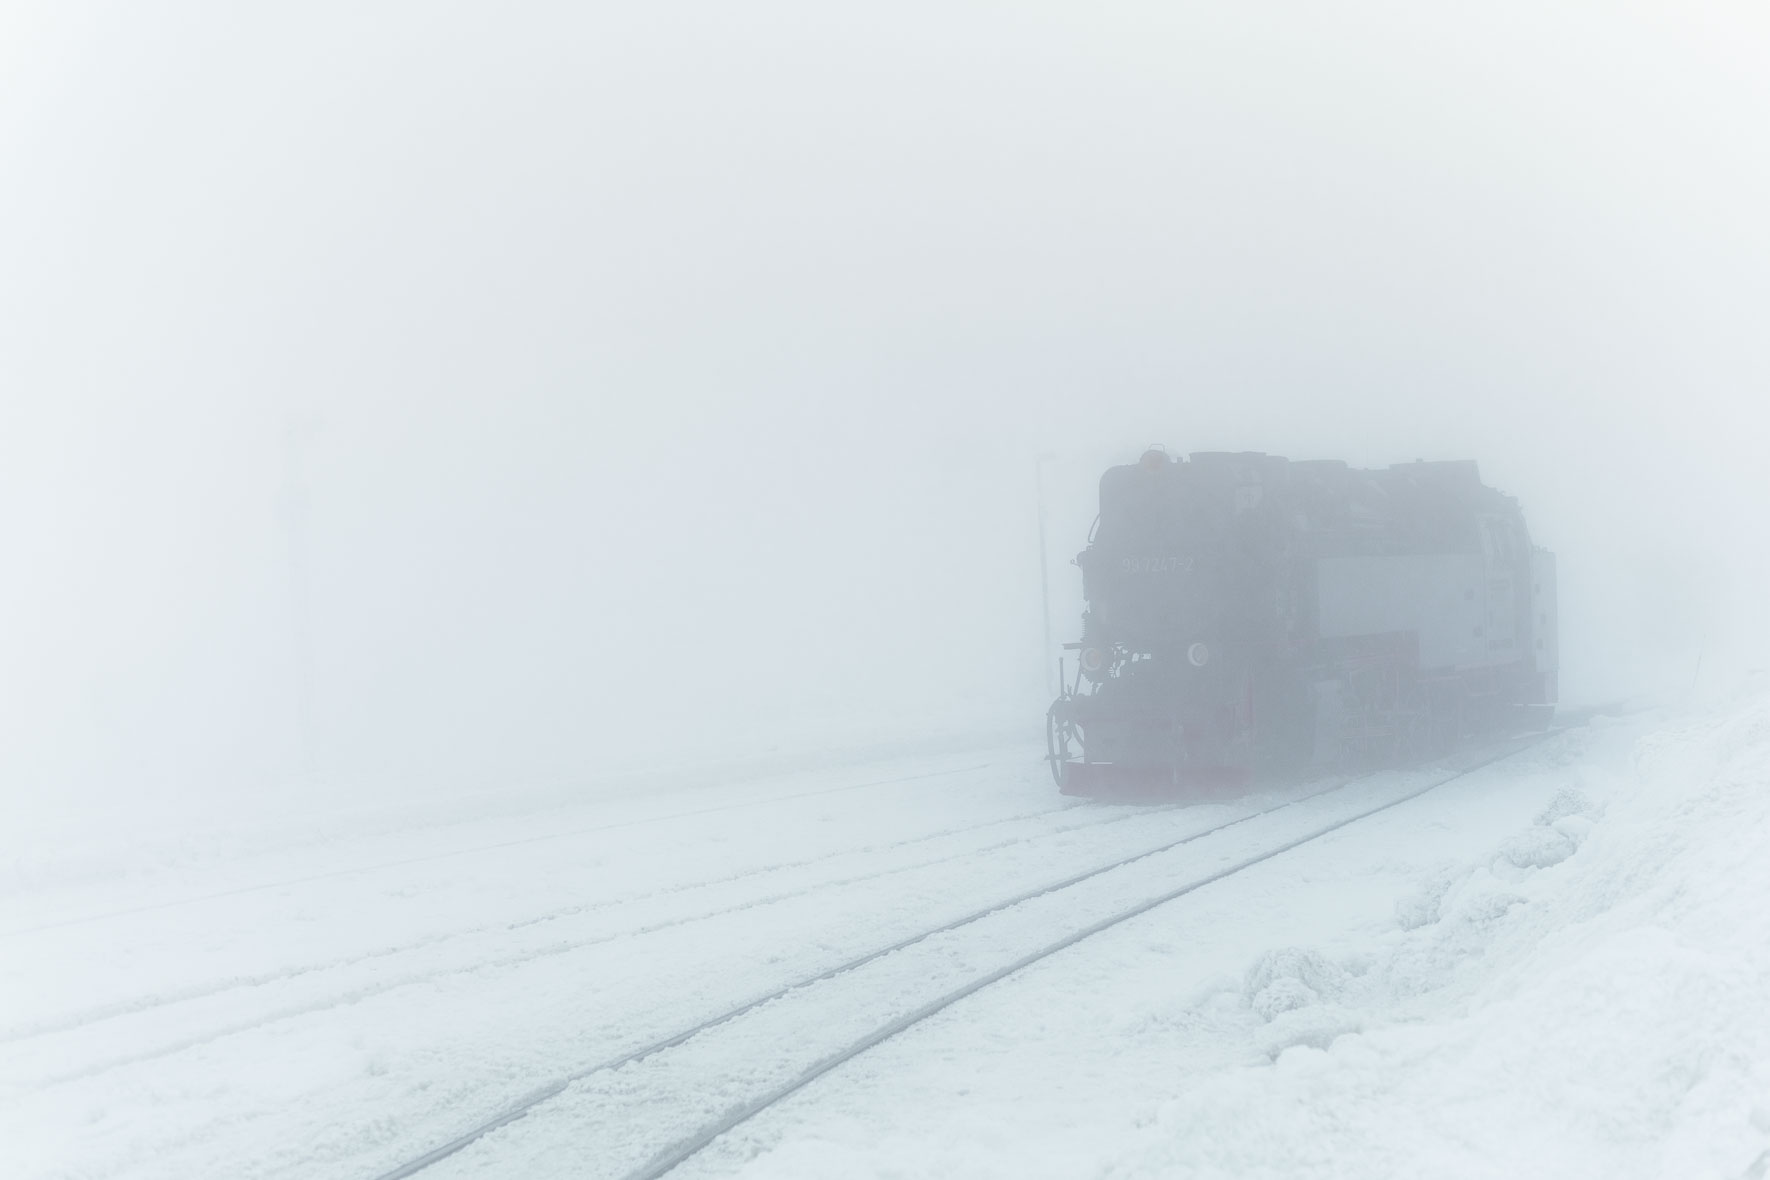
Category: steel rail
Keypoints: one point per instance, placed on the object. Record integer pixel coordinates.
(475, 849)
(536, 1097)
(683, 1149)
(81, 1019)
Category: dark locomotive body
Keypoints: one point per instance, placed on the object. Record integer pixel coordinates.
(1247, 613)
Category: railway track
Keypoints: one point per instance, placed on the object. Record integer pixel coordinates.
(760, 887)
(142, 1031)
(470, 850)
(934, 960)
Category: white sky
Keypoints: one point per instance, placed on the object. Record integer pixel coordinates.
(632, 383)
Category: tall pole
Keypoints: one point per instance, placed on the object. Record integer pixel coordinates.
(1051, 686)
(296, 433)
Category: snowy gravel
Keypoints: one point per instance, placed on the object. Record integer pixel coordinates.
(1558, 966)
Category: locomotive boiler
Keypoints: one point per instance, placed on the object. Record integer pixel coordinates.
(1246, 613)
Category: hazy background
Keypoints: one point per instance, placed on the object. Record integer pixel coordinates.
(442, 396)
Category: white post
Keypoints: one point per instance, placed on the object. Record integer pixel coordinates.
(1052, 688)
(297, 431)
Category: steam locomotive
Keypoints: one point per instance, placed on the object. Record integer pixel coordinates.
(1248, 614)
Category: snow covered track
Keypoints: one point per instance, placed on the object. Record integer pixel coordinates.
(767, 1022)
(530, 1101)
(509, 948)
(583, 929)
(471, 850)
(1552, 965)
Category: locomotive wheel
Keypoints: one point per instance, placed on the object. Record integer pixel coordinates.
(1057, 733)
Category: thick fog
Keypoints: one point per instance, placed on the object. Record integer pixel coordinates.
(411, 397)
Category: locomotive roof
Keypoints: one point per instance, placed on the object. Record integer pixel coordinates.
(1456, 478)
(1400, 505)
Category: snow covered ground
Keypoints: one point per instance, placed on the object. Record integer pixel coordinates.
(1558, 965)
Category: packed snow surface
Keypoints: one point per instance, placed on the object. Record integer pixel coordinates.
(1556, 965)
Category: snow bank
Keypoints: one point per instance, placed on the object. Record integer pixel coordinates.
(1591, 998)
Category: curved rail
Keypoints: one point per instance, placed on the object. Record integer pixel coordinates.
(684, 1148)
(535, 1097)
(472, 850)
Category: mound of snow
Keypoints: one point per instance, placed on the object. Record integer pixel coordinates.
(1592, 999)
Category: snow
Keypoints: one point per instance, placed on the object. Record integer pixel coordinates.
(1554, 966)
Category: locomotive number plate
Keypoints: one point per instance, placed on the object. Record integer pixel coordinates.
(1151, 564)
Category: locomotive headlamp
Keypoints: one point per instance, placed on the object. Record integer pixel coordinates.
(1198, 655)
(1093, 662)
